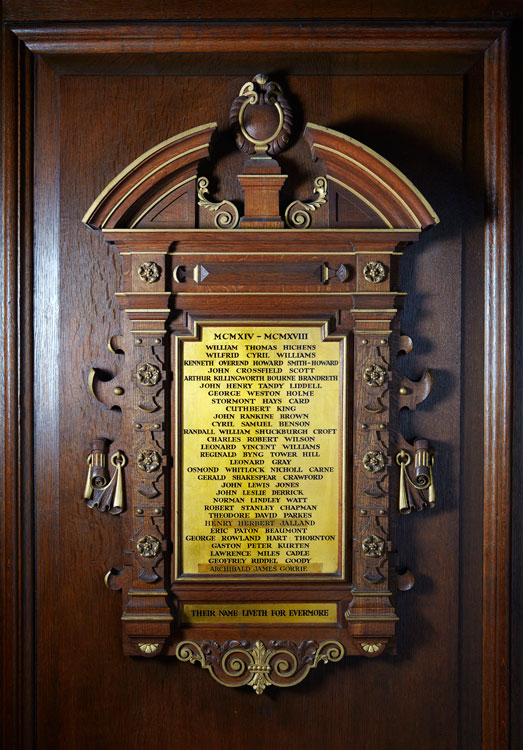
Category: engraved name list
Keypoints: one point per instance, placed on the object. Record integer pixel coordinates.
(261, 452)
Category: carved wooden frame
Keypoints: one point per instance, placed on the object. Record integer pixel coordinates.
(20, 45)
(357, 304)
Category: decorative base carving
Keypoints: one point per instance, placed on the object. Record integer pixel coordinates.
(282, 663)
(372, 649)
(148, 648)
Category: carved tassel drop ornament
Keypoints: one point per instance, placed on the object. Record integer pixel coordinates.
(102, 492)
(418, 493)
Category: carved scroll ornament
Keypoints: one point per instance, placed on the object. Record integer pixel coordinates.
(237, 663)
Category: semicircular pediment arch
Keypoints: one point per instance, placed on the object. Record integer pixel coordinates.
(363, 173)
(160, 172)
(158, 189)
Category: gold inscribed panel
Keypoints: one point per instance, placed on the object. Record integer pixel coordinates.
(261, 452)
(256, 612)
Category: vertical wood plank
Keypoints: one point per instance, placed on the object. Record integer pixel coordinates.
(9, 519)
(26, 464)
(17, 400)
(48, 367)
(16, 469)
(497, 401)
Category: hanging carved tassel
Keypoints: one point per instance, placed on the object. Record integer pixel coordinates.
(101, 492)
(432, 490)
(415, 502)
(102, 500)
(118, 460)
(111, 499)
(403, 459)
(421, 463)
(413, 493)
(88, 491)
(97, 474)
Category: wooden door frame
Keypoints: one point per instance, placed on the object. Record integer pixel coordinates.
(21, 45)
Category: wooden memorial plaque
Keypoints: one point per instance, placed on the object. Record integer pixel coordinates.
(259, 471)
(262, 457)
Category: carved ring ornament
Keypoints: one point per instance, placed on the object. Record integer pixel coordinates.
(261, 117)
(183, 357)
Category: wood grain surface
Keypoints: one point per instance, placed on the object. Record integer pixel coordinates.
(498, 396)
(89, 127)
(382, 10)
(162, 107)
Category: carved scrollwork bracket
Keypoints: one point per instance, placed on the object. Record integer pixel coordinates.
(412, 393)
(298, 213)
(226, 213)
(416, 488)
(281, 663)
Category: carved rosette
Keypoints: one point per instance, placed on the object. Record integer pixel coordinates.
(374, 272)
(148, 457)
(374, 375)
(374, 462)
(281, 663)
(149, 272)
(372, 403)
(148, 375)
(373, 546)
(148, 546)
(148, 461)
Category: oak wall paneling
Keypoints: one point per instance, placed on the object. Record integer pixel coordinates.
(82, 137)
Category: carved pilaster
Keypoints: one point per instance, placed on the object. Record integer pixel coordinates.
(147, 612)
(370, 612)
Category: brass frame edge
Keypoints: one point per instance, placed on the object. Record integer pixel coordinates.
(311, 577)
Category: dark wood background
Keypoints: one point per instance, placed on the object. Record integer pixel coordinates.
(94, 114)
